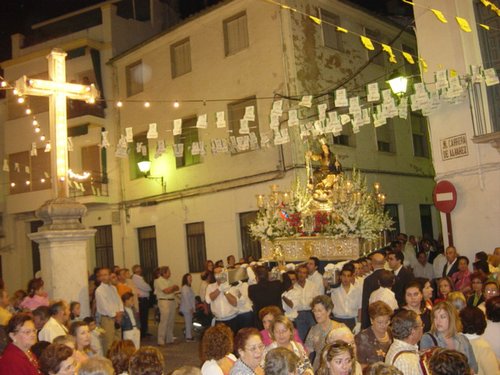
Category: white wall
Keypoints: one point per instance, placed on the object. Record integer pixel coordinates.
(475, 176)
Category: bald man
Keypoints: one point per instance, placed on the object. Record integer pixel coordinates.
(369, 285)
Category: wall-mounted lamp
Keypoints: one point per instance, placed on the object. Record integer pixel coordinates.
(398, 84)
(145, 167)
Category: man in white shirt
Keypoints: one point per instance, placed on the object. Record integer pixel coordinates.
(346, 299)
(222, 300)
(165, 293)
(422, 267)
(56, 325)
(143, 290)
(314, 275)
(384, 293)
(306, 291)
(109, 306)
(407, 330)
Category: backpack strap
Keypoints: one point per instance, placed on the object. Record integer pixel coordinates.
(434, 340)
(399, 353)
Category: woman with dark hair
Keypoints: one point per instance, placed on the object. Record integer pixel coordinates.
(120, 353)
(37, 296)
(57, 359)
(266, 317)
(445, 332)
(250, 350)
(492, 331)
(187, 305)
(474, 324)
(322, 307)
(447, 361)
(80, 331)
(147, 360)
(427, 291)
(17, 357)
(216, 350)
(445, 286)
(414, 301)
(373, 342)
(477, 280)
(461, 278)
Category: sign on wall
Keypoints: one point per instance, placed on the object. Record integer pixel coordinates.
(454, 147)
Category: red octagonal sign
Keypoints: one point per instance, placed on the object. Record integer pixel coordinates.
(445, 196)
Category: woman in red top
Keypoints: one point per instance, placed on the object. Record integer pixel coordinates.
(17, 357)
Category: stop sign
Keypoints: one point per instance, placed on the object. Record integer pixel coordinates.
(445, 196)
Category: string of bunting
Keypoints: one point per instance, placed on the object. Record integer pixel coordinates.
(376, 107)
(462, 22)
(368, 43)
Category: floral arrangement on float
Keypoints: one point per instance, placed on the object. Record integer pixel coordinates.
(333, 205)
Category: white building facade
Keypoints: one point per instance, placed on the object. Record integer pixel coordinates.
(475, 173)
(195, 207)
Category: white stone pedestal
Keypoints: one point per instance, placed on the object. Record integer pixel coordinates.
(63, 243)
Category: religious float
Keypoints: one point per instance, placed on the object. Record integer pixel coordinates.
(332, 215)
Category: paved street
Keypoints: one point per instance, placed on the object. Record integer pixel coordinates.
(179, 354)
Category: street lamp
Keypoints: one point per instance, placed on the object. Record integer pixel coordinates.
(398, 84)
(144, 166)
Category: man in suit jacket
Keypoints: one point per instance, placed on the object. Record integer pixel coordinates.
(451, 265)
(370, 284)
(403, 275)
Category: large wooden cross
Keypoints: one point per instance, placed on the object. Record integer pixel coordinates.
(57, 89)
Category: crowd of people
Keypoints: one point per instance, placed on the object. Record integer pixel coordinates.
(410, 308)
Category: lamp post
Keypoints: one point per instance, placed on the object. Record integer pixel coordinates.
(398, 84)
(144, 166)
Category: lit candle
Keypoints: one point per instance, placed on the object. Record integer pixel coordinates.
(376, 186)
(260, 201)
(286, 198)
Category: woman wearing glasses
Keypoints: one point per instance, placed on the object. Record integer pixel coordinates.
(17, 357)
(250, 349)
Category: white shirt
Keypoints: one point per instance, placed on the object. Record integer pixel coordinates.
(131, 316)
(203, 290)
(408, 363)
(51, 330)
(108, 302)
(143, 288)
(244, 303)
(409, 253)
(317, 278)
(346, 304)
(449, 265)
(306, 295)
(221, 308)
(426, 271)
(160, 285)
(438, 265)
(294, 296)
(386, 295)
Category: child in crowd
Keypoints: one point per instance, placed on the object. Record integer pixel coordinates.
(95, 335)
(130, 322)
